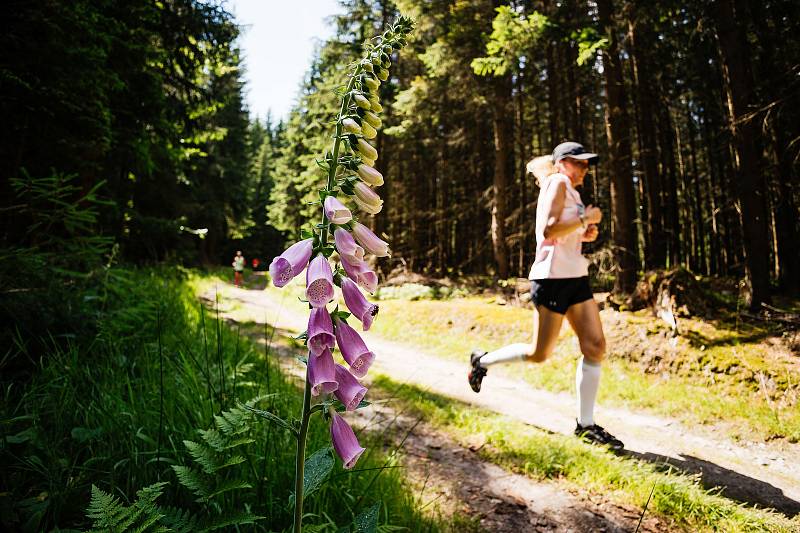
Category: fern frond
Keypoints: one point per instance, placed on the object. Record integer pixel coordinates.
(233, 422)
(223, 425)
(180, 520)
(213, 438)
(109, 514)
(233, 519)
(235, 460)
(194, 481)
(239, 442)
(261, 397)
(145, 527)
(204, 456)
(146, 503)
(229, 485)
(105, 510)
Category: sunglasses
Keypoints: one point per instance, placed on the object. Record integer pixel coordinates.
(578, 162)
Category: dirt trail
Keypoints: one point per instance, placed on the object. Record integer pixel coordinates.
(766, 474)
(456, 479)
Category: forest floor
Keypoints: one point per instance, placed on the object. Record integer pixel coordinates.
(456, 473)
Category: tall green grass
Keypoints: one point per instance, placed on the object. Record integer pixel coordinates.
(112, 409)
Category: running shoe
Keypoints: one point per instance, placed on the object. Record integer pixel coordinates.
(595, 434)
(477, 372)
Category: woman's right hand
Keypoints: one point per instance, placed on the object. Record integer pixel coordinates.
(593, 215)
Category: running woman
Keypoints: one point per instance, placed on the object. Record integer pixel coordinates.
(560, 284)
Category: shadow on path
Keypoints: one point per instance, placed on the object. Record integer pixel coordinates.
(731, 484)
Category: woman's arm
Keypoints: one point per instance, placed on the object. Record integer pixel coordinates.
(553, 206)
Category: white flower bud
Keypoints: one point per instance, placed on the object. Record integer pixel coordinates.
(370, 175)
(368, 131)
(367, 150)
(367, 199)
(367, 208)
(371, 83)
(375, 105)
(372, 118)
(351, 126)
(362, 102)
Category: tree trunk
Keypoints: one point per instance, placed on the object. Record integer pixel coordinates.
(552, 96)
(784, 171)
(750, 190)
(503, 124)
(699, 224)
(786, 217)
(641, 42)
(670, 181)
(624, 231)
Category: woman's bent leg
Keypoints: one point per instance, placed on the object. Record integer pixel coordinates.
(585, 321)
(546, 326)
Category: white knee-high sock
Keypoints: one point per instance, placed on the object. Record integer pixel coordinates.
(506, 354)
(587, 380)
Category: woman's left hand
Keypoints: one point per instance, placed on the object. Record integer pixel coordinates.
(590, 234)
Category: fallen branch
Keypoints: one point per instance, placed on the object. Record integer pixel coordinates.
(791, 320)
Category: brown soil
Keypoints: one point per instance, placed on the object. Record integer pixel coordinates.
(455, 479)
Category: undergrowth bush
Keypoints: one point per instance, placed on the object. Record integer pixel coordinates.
(143, 403)
(51, 251)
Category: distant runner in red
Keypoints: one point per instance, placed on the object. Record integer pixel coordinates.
(238, 267)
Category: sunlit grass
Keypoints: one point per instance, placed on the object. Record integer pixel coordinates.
(541, 455)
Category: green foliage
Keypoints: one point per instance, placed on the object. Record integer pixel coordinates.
(180, 520)
(589, 42)
(92, 414)
(316, 471)
(148, 100)
(317, 468)
(219, 450)
(367, 522)
(50, 249)
(513, 35)
(108, 514)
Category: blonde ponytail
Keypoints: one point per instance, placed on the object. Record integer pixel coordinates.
(541, 167)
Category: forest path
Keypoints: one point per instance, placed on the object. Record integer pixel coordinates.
(765, 474)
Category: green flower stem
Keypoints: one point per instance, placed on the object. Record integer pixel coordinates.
(300, 458)
(334, 163)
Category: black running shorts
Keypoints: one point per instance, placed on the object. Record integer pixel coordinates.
(560, 293)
